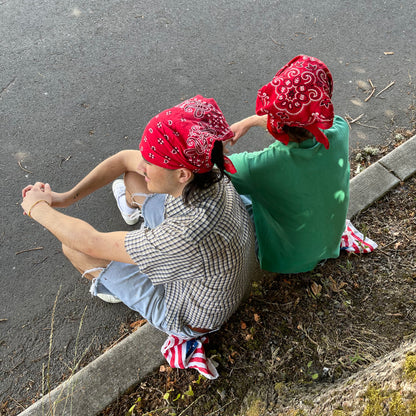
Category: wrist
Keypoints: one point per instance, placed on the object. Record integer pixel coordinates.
(64, 199)
(36, 204)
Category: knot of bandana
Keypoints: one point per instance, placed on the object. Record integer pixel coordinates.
(184, 136)
(299, 95)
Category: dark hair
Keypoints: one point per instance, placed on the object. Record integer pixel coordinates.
(203, 181)
(297, 134)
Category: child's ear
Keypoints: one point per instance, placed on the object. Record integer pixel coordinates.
(185, 175)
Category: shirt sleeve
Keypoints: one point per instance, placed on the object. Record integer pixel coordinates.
(241, 180)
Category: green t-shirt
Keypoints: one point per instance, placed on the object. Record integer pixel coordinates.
(300, 195)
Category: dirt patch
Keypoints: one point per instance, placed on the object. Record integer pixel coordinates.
(300, 333)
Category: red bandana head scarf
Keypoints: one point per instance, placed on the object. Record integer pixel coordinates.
(299, 95)
(183, 136)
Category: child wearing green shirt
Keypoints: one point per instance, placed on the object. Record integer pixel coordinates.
(299, 185)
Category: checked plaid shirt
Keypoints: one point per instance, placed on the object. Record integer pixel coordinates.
(203, 254)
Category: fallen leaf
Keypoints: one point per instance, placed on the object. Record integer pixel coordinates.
(257, 317)
(232, 356)
(243, 325)
(316, 289)
(336, 287)
(333, 284)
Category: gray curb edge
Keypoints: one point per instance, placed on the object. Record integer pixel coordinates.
(122, 367)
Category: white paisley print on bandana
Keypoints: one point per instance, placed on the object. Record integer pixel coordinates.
(199, 108)
(298, 95)
(299, 89)
(199, 142)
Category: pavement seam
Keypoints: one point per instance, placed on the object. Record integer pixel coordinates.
(388, 169)
(141, 349)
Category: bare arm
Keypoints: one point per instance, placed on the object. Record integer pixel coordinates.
(243, 126)
(73, 232)
(108, 170)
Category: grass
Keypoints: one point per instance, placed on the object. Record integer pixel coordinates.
(56, 406)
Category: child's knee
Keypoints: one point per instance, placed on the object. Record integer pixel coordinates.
(66, 251)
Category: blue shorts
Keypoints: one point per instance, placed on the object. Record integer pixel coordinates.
(134, 288)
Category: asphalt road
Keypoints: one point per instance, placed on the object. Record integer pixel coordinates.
(80, 80)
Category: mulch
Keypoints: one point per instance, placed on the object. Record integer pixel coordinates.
(300, 331)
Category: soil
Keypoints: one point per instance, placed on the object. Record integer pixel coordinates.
(298, 334)
(301, 333)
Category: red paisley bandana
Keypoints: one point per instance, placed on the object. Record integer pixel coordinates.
(299, 95)
(183, 136)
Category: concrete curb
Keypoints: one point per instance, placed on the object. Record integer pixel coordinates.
(100, 383)
(375, 181)
(122, 367)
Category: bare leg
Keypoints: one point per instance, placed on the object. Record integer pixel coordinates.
(83, 262)
(135, 184)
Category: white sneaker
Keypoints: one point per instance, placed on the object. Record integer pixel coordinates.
(119, 191)
(108, 298)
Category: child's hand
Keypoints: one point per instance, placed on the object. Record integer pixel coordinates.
(32, 194)
(239, 129)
